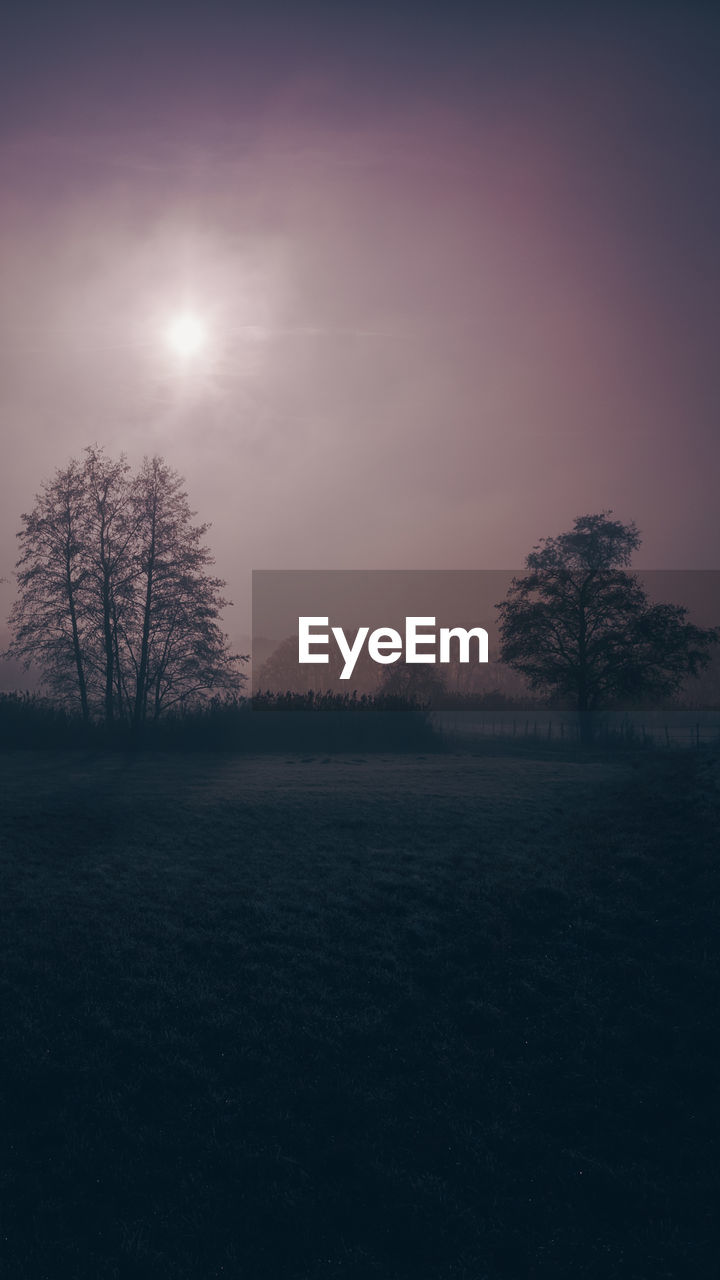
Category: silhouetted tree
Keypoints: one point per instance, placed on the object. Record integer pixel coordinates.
(116, 605)
(580, 625)
(176, 649)
(49, 621)
(108, 532)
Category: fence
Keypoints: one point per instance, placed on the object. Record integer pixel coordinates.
(678, 729)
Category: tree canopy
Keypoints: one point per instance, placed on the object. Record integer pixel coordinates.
(580, 625)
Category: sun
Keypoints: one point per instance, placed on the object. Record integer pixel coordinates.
(186, 335)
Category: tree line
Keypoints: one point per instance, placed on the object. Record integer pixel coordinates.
(118, 609)
(116, 603)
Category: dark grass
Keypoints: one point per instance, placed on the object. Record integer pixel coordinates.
(312, 1018)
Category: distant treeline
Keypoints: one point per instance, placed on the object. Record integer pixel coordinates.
(267, 722)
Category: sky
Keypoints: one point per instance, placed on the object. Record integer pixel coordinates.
(458, 268)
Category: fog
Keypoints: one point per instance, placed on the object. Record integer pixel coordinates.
(460, 282)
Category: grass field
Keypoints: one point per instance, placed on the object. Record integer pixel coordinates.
(357, 1017)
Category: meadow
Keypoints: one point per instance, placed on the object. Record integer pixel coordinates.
(359, 1017)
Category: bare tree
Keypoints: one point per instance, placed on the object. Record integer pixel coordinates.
(108, 537)
(49, 620)
(116, 603)
(176, 646)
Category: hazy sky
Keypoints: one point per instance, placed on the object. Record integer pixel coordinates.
(459, 273)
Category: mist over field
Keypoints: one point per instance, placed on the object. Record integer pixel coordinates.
(344, 311)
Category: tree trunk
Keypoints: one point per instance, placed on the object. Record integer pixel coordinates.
(141, 690)
(583, 701)
(82, 686)
(109, 648)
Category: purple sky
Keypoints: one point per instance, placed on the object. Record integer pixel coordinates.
(460, 273)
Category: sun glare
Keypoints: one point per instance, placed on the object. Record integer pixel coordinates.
(186, 335)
